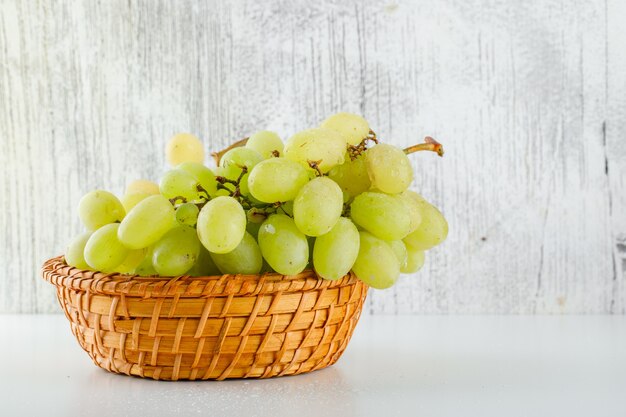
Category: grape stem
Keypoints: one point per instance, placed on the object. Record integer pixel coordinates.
(429, 144)
(316, 166)
(217, 156)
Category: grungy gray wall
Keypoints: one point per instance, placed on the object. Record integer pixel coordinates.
(529, 99)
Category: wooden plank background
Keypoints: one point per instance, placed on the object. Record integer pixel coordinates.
(529, 99)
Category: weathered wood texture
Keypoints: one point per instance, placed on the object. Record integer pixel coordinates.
(529, 99)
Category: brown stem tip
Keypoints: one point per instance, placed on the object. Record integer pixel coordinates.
(217, 156)
(429, 144)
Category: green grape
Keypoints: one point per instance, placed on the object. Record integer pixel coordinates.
(103, 250)
(399, 248)
(334, 253)
(351, 176)
(147, 222)
(317, 206)
(176, 252)
(246, 258)
(232, 172)
(221, 224)
(184, 147)
(389, 168)
(382, 215)
(414, 261)
(352, 127)
(277, 179)
(265, 142)
(187, 214)
(283, 246)
(142, 186)
(412, 208)
(145, 267)
(75, 252)
(98, 208)
(377, 264)
(131, 200)
(432, 230)
(203, 175)
(232, 163)
(286, 208)
(177, 183)
(131, 262)
(325, 146)
(204, 266)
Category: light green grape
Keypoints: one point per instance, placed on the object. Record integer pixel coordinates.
(399, 248)
(203, 175)
(98, 208)
(187, 214)
(414, 261)
(131, 200)
(265, 142)
(147, 222)
(184, 147)
(142, 186)
(104, 251)
(178, 183)
(176, 252)
(277, 179)
(352, 127)
(246, 258)
(412, 208)
(334, 253)
(325, 146)
(351, 176)
(145, 267)
(232, 163)
(432, 230)
(317, 206)
(204, 266)
(221, 224)
(131, 262)
(75, 252)
(377, 264)
(389, 168)
(283, 246)
(382, 215)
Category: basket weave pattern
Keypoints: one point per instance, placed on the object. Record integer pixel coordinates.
(230, 326)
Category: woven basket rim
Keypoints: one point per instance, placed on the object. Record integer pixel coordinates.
(57, 272)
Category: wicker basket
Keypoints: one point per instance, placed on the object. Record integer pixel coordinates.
(230, 326)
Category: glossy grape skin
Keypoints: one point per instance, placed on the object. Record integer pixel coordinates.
(277, 179)
(413, 209)
(98, 208)
(335, 252)
(147, 222)
(246, 258)
(104, 251)
(351, 176)
(352, 127)
(131, 200)
(265, 142)
(400, 250)
(221, 224)
(389, 168)
(377, 264)
(382, 215)
(317, 206)
(283, 246)
(324, 145)
(187, 214)
(145, 267)
(414, 261)
(131, 262)
(204, 265)
(75, 252)
(431, 232)
(177, 184)
(142, 186)
(176, 252)
(184, 147)
(203, 175)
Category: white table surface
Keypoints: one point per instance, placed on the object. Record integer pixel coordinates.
(395, 365)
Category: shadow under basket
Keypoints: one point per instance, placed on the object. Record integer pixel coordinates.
(218, 327)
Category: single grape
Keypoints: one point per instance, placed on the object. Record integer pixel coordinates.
(241, 157)
(145, 267)
(179, 184)
(184, 147)
(204, 266)
(176, 252)
(265, 142)
(187, 214)
(147, 222)
(399, 248)
(382, 215)
(131, 200)
(98, 208)
(283, 246)
(414, 261)
(351, 176)
(221, 224)
(203, 175)
(389, 168)
(432, 230)
(104, 251)
(277, 179)
(412, 208)
(142, 186)
(334, 253)
(75, 252)
(377, 264)
(352, 127)
(317, 206)
(131, 262)
(326, 147)
(246, 258)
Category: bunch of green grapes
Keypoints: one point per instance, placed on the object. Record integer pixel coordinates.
(331, 198)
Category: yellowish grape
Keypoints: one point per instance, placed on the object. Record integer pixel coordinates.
(131, 200)
(389, 168)
(75, 252)
(325, 146)
(104, 251)
(176, 252)
(142, 186)
(98, 208)
(221, 224)
(265, 142)
(334, 253)
(352, 127)
(414, 261)
(317, 206)
(383, 215)
(184, 147)
(283, 246)
(147, 222)
(377, 264)
(351, 176)
(277, 179)
(246, 258)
